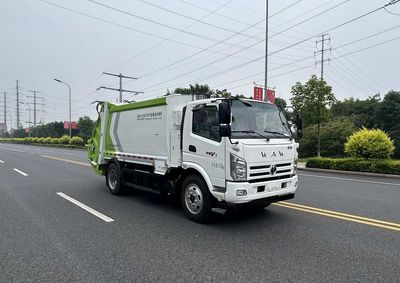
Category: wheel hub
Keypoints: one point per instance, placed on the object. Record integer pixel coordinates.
(193, 198)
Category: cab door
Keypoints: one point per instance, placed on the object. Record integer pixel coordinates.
(202, 144)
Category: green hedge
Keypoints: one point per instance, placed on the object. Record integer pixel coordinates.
(385, 166)
(64, 141)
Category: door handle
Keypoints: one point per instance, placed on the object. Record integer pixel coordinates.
(192, 148)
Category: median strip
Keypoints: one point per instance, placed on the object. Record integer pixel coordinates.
(85, 207)
(342, 216)
(66, 160)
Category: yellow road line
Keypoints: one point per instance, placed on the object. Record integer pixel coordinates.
(338, 215)
(67, 160)
(342, 214)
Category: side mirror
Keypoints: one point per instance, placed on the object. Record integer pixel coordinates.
(299, 126)
(225, 131)
(224, 112)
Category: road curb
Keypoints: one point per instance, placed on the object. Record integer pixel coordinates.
(391, 176)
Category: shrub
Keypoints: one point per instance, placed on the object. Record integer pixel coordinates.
(333, 137)
(369, 144)
(41, 140)
(54, 141)
(386, 166)
(35, 140)
(47, 140)
(76, 141)
(64, 140)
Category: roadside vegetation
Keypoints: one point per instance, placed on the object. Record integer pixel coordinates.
(355, 134)
(64, 141)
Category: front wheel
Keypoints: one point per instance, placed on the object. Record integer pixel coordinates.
(196, 199)
(114, 179)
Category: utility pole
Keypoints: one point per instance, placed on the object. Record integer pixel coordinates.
(29, 120)
(34, 96)
(322, 61)
(266, 51)
(18, 123)
(120, 89)
(5, 110)
(3, 107)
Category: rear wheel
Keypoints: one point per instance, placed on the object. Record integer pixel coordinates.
(114, 179)
(196, 199)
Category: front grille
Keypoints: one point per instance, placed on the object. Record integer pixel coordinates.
(270, 179)
(260, 173)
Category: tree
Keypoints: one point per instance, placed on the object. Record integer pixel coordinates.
(221, 93)
(194, 89)
(85, 126)
(312, 100)
(387, 117)
(18, 133)
(333, 137)
(52, 129)
(362, 110)
(280, 102)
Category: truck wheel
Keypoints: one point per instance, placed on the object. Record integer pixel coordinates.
(196, 199)
(113, 179)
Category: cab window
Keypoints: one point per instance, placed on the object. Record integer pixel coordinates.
(205, 122)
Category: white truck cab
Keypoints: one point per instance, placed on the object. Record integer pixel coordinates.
(210, 153)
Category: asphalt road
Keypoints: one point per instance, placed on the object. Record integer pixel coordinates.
(339, 228)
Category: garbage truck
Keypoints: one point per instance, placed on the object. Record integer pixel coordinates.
(210, 154)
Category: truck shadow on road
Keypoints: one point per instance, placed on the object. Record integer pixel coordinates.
(171, 211)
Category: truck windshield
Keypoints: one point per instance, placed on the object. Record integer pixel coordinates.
(262, 118)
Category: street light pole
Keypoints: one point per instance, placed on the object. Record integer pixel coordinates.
(266, 52)
(69, 88)
(29, 120)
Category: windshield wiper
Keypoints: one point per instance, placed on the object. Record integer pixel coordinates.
(277, 133)
(252, 132)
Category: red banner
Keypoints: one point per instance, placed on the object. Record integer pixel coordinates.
(258, 93)
(271, 95)
(74, 125)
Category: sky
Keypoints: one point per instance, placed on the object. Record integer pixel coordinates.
(174, 43)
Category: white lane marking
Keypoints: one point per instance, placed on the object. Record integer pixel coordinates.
(20, 172)
(1, 161)
(352, 180)
(87, 208)
(16, 150)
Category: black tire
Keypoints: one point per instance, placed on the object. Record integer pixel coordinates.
(114, 179)
(196, 199)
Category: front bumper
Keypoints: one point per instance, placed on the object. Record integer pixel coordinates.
(260, 190)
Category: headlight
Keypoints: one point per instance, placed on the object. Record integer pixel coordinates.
(238, 168)
(295, 166)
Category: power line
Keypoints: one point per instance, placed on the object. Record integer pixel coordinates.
(162, 24)
(289, 46)
(186, 16)
(369, 36)
(164, 40)
(371, 78)
(368, 47)
(305, 13)
(310, 18)
(242, 49)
